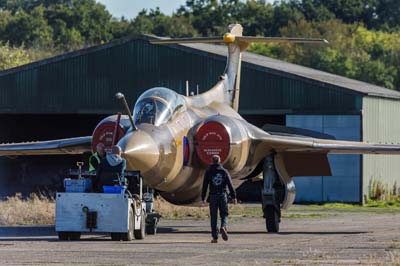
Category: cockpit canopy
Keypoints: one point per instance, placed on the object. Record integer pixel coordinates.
(157, 106)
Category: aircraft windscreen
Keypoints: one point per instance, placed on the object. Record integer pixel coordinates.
(157, 106)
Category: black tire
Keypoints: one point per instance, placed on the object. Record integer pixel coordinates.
(63, 235)
(115, 236)
(128, 236)
(140, 233)
(151, 229)
(271, 219)
(74, 236)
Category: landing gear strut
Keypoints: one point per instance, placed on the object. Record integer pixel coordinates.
(271, 195)
(152, 217)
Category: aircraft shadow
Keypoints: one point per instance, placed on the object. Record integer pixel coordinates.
(26, 233)
(324, 233)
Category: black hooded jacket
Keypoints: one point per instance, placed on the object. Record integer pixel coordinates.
(217, 178)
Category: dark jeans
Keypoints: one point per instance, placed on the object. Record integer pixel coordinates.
(218, 201)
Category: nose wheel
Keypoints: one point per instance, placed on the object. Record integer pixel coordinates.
(152, 223)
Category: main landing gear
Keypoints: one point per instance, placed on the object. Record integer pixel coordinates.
(273, 193)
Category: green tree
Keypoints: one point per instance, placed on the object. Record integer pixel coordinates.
(68, 39)
(5, 17)
(64, 24)
(364, 34)
(257, 18)
(349, 11)
(29, 29)
(26, 5)
(92, 20)
(12, 57)
(283, 13)
(315, 10)
(388, 15)
(211, 17)
(181, 26)
(353, 51)
(119, 27)
(157, 23)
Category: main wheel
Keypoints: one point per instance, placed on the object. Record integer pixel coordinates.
(271, 219)
(63, 235)
(140, 233)
(128, 236)
(115, 236)
(74, 236)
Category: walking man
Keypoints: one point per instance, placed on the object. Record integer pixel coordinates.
(217, 179)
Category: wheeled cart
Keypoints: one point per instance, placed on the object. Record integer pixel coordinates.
(121, 214)
(118, 214)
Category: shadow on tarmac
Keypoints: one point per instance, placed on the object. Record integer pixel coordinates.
(175, 231)
(48, 233)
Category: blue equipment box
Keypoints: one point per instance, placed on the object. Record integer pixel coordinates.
(114, 189)
(78, 185)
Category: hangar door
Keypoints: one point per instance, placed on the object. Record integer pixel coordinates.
(344, 184)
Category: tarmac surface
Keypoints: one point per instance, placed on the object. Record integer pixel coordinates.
(347, 238)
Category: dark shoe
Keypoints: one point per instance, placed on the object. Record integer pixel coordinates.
(214, 241)
(224, 233)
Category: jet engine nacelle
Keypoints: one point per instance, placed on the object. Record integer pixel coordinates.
(105, 130)
(223, 136)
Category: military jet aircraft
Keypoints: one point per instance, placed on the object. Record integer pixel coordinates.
(171, 138)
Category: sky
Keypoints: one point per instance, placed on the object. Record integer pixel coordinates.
(130, 8)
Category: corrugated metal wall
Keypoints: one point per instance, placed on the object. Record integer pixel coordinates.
(345, 183)
(86, 81)
(381, 125)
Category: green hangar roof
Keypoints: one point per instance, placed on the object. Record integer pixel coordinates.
(85, 81)
(301, 72)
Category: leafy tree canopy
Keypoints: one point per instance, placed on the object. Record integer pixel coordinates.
(364, 34)
(12, 57)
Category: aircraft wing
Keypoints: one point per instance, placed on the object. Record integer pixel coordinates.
(77, 145)
(304, 156)
(314, 145)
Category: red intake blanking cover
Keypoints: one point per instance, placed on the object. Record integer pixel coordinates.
(104, 133)
(212, 138)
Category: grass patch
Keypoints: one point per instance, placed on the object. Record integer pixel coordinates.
(370, 206)
(289, 215)
(35, 209)
(370, 203)
(40, 210)
(337, 205)
(383, 204)
(170, 211)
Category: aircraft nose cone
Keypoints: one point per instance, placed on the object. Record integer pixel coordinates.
(140, 151)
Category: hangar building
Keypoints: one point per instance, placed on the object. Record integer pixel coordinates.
(68, 95)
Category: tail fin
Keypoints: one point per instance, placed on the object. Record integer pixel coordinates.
(236, 45)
